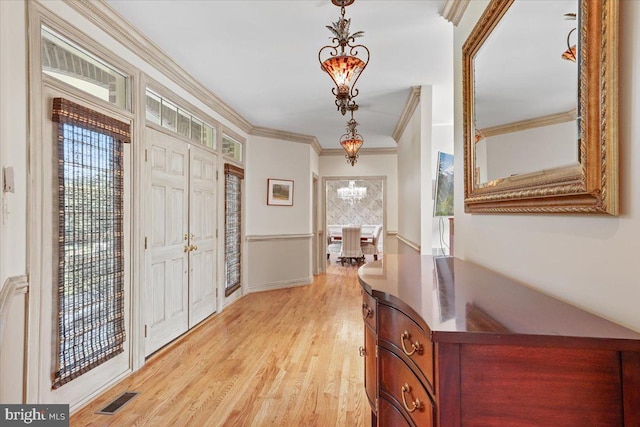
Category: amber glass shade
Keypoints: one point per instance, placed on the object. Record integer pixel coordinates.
(570, 54)
(344, 70)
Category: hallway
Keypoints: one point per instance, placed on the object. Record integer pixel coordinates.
(278, 358)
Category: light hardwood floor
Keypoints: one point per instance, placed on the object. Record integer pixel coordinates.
(277, 358)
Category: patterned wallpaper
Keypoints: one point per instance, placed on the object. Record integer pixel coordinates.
(366, 211)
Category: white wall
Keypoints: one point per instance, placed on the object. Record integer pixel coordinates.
(531, 150)
(13, 138)
(409, 164)
(278, 237)
(589, 261)
(276, 159)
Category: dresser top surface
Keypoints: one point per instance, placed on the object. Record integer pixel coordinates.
(461, 301)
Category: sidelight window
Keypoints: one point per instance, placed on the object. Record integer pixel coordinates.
(90, 239)
(233, 176)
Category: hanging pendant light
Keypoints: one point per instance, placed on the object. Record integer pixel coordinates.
(352, 140)
(342, 60)
(570, 53)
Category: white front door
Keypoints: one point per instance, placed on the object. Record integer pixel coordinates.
(167, 288)
(202, 235)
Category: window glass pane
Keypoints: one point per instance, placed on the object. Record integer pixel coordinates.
(209, 137)
(184, 122)
(91, 257)
(153, 107)
(169, 115)
(231, 148)
(72, 65)
(196, 130)
(233, 228)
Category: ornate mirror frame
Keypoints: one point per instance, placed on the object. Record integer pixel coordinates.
(590, 187)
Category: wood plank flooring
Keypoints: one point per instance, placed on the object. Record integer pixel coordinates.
(277, 358)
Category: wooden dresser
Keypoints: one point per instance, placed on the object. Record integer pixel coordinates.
(448, 343)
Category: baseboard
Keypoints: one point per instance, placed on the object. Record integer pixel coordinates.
(279, 285)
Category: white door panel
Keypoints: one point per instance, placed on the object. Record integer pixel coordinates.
(202, 229)
(168, 273)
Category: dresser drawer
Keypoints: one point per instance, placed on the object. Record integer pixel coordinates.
(407, 337)
(397, 381)
(390, 416)
(369, 310)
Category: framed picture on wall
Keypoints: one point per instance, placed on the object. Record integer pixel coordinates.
(443, 205)
(279, 192)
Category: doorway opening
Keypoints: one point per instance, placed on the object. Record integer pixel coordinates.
(358, 201)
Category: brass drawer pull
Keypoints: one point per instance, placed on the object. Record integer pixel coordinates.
(366, 310)
(416, 404)
(416, 346)
(362, 351)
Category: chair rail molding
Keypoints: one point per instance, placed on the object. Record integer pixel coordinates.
(408, 242)
(15, 285)
(267, 237)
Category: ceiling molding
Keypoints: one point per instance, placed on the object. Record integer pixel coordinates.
(551, 119)
(107, 19)
(452, 10)
(407, 113)
(369, 151)
(287, 136)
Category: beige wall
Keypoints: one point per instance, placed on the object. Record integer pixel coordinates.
(589, 261)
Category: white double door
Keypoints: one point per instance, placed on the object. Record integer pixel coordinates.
(181, 238)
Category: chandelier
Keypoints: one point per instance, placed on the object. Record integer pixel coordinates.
(342, 60)
(352, 193)
(352, 140)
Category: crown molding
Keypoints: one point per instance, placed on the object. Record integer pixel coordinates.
(287, 136)
(369, 151)
(550, 120)
(409, 108)
(108, 20)
(452, 10)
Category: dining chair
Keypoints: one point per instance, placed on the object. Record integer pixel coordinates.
(351, 249)
(371, 247)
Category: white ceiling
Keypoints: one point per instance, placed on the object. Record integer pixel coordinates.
(261, 58)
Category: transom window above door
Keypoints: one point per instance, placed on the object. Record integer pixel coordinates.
(64, 61)
(163, 112)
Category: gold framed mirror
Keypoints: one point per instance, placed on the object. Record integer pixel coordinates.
(540, 102)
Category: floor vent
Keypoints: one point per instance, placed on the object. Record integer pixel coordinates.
(118, 403)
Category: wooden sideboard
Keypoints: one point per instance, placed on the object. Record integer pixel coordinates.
(448, 343)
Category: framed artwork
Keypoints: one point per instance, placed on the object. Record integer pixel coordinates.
(279, 192)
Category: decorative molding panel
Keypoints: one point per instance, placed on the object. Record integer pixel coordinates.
(409, 108)
(453, 10)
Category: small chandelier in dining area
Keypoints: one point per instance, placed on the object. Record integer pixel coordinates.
(352, 193)
(343, 60)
